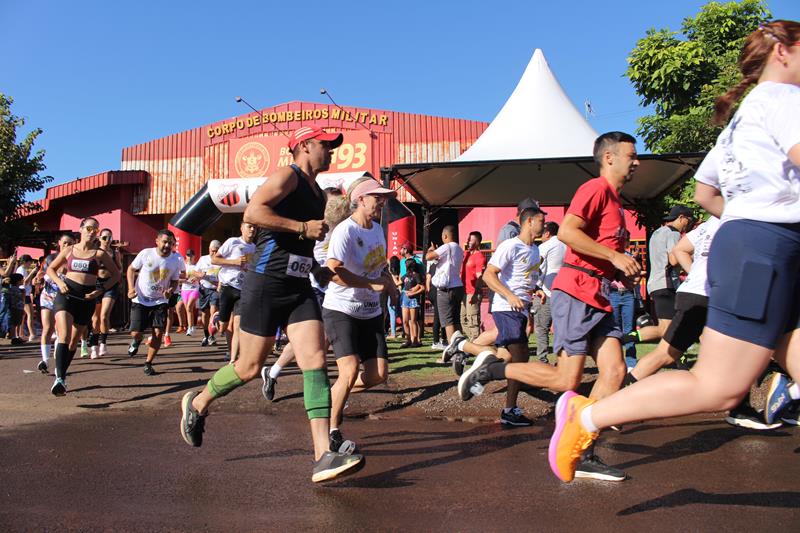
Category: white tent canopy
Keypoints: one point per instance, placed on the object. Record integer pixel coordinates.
(538, 145)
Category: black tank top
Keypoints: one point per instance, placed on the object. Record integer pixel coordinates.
(284, 255)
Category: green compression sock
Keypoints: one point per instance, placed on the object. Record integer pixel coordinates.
(224, 381)
(317, 393)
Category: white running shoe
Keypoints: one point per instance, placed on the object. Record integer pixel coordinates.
(102, 351)
(93, 352)
(190, 331)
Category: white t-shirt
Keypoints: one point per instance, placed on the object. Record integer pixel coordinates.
(450, 257)
(156, 274)
(700, 237)
(552, 254)
(234, 248)
(24, 273)
(191, 270)
(519, 267)
(210, 272)
(320, 256)
(363, 252)
(749, 163)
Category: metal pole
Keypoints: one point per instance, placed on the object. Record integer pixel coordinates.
(426, 232)
(386, 178)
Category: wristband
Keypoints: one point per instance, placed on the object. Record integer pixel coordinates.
(302, 233)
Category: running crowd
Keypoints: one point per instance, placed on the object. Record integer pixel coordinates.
(310, 265)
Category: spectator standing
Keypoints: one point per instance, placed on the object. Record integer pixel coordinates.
(448, 283)
(471, 272)
(552, 253)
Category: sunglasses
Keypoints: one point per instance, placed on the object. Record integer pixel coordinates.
(105, 237)
(91, 228)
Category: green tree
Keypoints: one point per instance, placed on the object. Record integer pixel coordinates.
(19, 170)
(680, 74)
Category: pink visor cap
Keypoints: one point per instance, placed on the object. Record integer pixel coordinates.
(370, 187)
(306, 132)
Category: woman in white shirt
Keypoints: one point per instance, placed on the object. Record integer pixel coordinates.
(753, 185)
(351, 310)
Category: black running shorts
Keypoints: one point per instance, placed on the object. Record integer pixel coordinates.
(144, 317)
(75, 303)
(267, 304)
(663, 303)
(364, 338)
(688, 322)
(228, 302)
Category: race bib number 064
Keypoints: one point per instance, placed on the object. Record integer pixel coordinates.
(298, 266)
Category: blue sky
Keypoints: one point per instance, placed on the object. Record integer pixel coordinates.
(100, 76)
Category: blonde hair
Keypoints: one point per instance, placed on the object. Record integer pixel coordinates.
(755, 53)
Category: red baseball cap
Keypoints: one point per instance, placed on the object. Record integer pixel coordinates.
(307, 132)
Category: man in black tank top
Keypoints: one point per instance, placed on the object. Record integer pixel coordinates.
(288, 210)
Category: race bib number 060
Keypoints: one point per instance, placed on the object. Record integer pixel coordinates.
(299, 266)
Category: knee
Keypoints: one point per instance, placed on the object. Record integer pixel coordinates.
(567, 382)
(247, 370)
(615, 373)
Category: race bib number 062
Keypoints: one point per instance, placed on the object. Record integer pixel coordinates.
(298, 266)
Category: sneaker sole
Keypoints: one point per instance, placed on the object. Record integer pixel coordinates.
(773, 385)
(58, 390)
(791, 421)
(561, 412)
(463, 390)
(185, 402)
(751, 424)
(599, 477)
(349, 468)
(451, 347)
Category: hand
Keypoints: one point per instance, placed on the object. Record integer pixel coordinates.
(516, 303)
(322, 274)
(242, 262)
(62, 287)
(316, 229)
(539, 293)
(94, 294)
(474, 298)
(132, 293)
(432, 247)
(626, 264)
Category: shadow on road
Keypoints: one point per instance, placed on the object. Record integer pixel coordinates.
(778, 499)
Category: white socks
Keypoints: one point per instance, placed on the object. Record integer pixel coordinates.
(275, 371)
(45, 352)
(586, 419)
(794, 391)
(460, 345)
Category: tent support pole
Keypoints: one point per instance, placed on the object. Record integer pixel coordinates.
(426, 231)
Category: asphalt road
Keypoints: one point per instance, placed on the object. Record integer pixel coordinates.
(109, 457)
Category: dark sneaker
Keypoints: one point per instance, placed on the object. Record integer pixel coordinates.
(133, 348)
(593, 468)
(212, 341)
(472, 381)
(452, 346)
(333, 464)
(777, 397)
(59, 387)
(149, 370)
(459, 360)
(42, 367)
(193, 424)
(340, 444)
(514, 417)
(268, 384)
(204, 342)
(791, 415)
(745, 416)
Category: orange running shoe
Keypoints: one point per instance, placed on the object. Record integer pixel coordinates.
(570, 438)
(167, 341)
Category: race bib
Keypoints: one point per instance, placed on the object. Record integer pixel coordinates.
(298, 266)
(80, 265)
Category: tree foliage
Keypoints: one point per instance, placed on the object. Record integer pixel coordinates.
(20, 171)
(680, 74)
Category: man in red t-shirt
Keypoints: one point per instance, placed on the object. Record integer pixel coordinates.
(593, 230)
(471, 272)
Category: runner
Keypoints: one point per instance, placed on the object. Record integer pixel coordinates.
(47, 299)
(174, 305)
(209, 297)
(289, 209)
(512, 276)
(190, 290)
(102, 311)
(74, 303)
(335, 213)
(233, 257)
(352, 310)
(593, 230)
(152, 280)
(754, 298)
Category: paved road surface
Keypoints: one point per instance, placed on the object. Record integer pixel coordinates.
(109, 457)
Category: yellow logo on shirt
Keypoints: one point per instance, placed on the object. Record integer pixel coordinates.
(375, 259)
